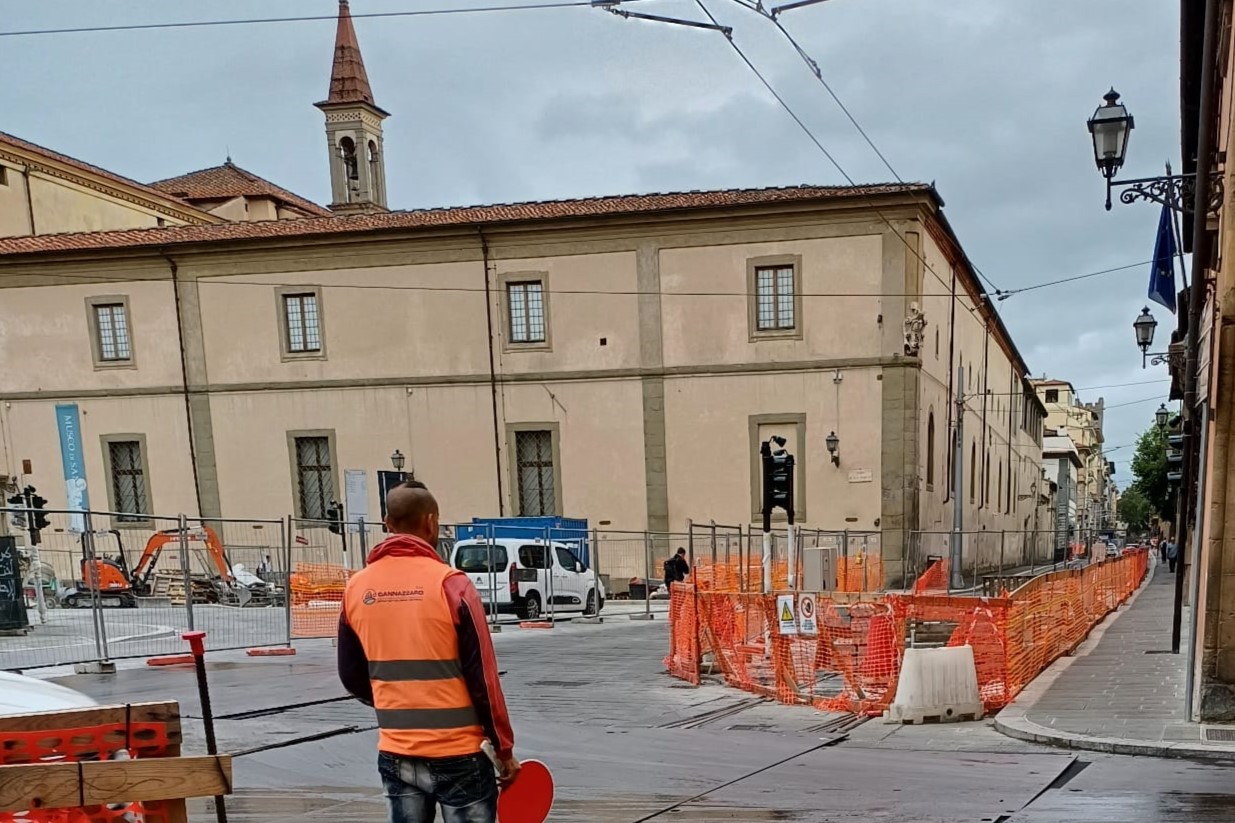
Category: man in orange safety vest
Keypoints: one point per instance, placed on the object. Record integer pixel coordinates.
(413, 643)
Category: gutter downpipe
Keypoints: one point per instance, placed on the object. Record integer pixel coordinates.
(1196, 299)
(497, 438)
(184, 376)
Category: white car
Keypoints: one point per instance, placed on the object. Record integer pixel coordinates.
(26, 695)
(521, 579)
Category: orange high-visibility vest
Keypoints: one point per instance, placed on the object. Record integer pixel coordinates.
(398, 609)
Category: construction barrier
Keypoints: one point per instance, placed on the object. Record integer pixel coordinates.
(106, 764)
(317, 599)
(842, 652)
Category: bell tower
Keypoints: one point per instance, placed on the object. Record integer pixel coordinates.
(353, 128)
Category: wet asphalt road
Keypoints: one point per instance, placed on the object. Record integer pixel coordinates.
(628, 744)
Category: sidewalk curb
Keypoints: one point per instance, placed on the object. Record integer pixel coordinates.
(1013, 721)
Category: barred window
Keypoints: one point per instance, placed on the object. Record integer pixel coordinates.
(128, 480)
(314, 476)
(526, 305)
(300, 313)
(534, 459)
(774, 292)
(111, 325)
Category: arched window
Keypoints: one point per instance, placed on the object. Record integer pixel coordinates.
(375, 177)
(986, 480)
(347, 150)
(973, 471)
(999, 485)
(930, 450)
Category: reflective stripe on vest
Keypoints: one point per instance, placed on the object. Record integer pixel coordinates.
(398, 609)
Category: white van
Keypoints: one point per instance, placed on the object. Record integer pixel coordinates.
(520, 579)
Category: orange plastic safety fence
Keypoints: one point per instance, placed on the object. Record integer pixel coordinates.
(317, 598)
(138, 740)
(852, 660)
(860, 573)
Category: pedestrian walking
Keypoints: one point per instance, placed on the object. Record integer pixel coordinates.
(413, 643)
(1172, 554)
(676, 568)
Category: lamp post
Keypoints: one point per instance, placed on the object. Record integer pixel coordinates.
(1144, 326)
(1162, 415)
(1110, 127)
(833, 444)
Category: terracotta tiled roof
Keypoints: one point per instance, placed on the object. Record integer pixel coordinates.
(349, 83)
(632, 204)
(229, 180)
(87, 168)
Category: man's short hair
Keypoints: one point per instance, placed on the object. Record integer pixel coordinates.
(681, 550)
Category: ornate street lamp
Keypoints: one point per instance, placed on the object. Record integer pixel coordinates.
(1145, 326)
(1110, 127)
(833, 444)
(397, 460)
(1161, 416)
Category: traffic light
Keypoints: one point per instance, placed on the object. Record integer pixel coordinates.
(334, 513)
(777, 479)
(37, 513)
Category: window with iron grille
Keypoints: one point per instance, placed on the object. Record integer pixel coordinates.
(303, 324)
(111, 326)
(526, 307)
(774, 298)
(314, 476)
(534, 459)
(128, 480)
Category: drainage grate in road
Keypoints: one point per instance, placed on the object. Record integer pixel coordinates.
(750, 727)
(1159, 651)
(1216, 734)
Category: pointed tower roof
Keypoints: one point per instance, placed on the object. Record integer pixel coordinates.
(349, 84)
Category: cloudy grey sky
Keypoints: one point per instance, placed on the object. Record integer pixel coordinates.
(987, 98)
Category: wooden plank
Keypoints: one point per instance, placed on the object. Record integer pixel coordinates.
(57, 785)
(167, 712)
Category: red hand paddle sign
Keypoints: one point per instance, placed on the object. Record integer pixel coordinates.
(529, 797)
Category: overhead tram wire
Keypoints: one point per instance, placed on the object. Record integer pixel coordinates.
(303, 18)
(973, 311)
(92, 278)
(815, 69)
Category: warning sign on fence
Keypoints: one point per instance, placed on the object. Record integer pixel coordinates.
(785, 614)
(808, 619)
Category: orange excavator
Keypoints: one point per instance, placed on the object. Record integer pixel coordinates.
(118, 584)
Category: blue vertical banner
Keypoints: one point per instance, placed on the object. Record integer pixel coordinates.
(68, 421)
(1162, 274)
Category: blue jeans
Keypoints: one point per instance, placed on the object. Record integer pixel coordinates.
(465, 787)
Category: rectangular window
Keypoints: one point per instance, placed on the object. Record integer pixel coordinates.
(534, 473)
(1052, 395)
(526, 311)
(4, 176)
(314, 476)
(774, 298)
(128, 481)
(302, 323)
(111, 329)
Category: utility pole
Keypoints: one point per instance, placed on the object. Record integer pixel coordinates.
(956, 575)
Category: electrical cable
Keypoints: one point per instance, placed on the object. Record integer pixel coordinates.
(300, 19)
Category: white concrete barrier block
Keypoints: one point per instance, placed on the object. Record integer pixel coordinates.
(936, 686)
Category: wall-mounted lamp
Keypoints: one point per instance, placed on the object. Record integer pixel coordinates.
(398, 460)
(833, 444)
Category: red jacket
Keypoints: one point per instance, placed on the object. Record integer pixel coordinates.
(476, 654)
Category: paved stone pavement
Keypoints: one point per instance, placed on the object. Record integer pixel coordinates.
(1123, 691)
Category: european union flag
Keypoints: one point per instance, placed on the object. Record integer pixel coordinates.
(1162, 275)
